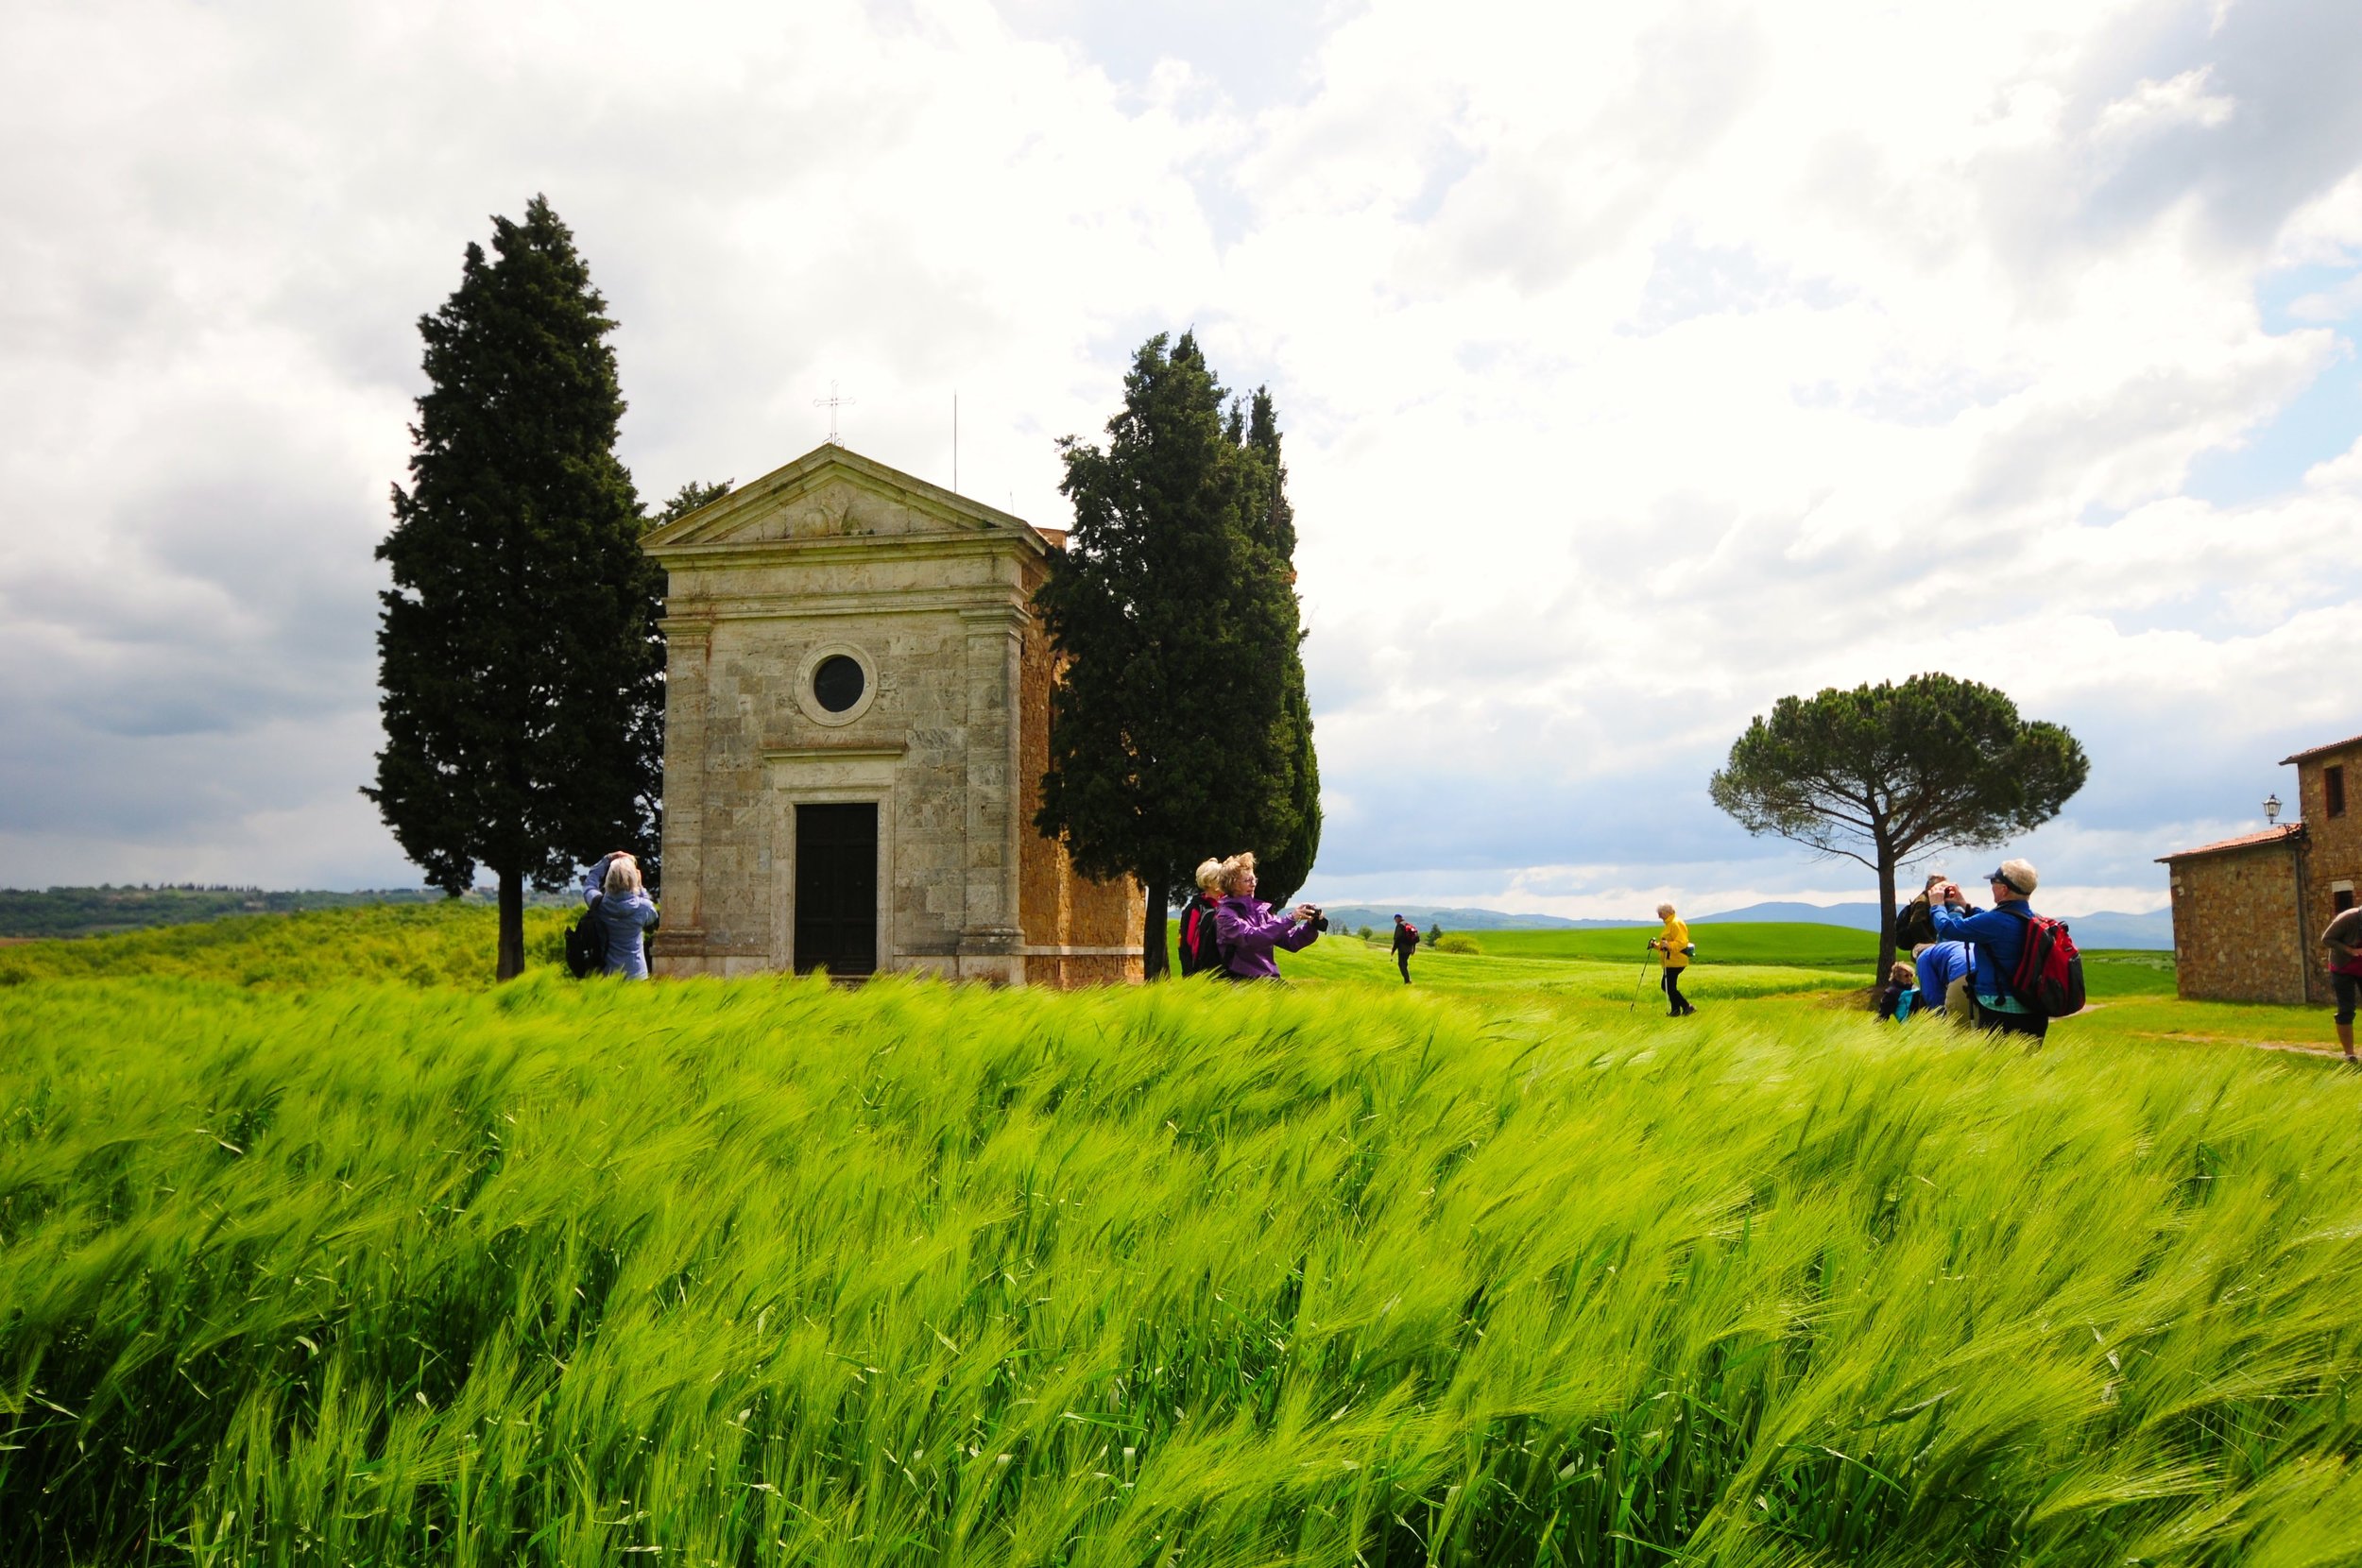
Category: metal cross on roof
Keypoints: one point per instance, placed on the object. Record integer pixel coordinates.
(833, 403)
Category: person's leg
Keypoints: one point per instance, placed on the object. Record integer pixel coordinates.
(2345, 986)
(1960, 1007)
(2028, 1026)
(1402, 962)
(1669, 980)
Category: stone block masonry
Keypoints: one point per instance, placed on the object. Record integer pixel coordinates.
(2248, 911)
(777, 595)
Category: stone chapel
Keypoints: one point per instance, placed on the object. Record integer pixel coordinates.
(857, 721)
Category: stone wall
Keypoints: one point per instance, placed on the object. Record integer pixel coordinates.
(2235, 927)
(2333, 855)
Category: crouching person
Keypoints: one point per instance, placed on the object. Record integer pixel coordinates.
(1250, 931)
(620, 903)
(1944, 968)
(1899, 997)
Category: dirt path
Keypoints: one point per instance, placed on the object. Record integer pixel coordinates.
(2304, 1048)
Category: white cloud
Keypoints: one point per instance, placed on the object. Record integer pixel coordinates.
(2154, 105)
(1640, 366)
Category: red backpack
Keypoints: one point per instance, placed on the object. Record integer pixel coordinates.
(2049, 975)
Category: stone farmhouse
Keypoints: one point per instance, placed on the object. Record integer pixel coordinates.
(2248, 911)
(857, 721)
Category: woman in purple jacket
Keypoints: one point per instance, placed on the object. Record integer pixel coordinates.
(1249, 929)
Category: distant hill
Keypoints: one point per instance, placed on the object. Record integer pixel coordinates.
(96, 911)
(2104, 928)
(1348, 916)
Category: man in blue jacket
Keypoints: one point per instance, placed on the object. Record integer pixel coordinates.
(1998, 937)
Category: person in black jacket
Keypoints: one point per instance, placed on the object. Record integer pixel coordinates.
(1406, 943)
(1200, 954)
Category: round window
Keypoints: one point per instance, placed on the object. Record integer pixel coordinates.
(838, 683)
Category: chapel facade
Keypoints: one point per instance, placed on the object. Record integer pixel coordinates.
(2247, 912)
(857, 722)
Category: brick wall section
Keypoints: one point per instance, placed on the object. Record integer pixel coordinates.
(2333, 851)
(2235, 931)
(1063, 908)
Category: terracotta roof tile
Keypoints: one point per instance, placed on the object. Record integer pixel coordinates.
(2246, 841)
(2317, 751)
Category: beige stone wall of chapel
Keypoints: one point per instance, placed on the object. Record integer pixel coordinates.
(932, 593)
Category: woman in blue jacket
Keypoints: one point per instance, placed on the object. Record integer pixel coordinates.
(620, 903)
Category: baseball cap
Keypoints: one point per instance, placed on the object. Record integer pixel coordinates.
(2019, 874)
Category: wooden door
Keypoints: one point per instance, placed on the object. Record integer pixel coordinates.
(836, 889)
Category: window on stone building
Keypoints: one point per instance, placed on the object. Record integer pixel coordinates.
(2333, 789)
(838, 683)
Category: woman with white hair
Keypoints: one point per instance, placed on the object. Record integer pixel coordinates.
(621, 909)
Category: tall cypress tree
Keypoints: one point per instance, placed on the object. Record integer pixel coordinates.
(522, 671)
(1272, 525)
(1170, 737)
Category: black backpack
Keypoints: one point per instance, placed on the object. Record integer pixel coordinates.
(586, 944)
(1200, 951)
(1915, 923)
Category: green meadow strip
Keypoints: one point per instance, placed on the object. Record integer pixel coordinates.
(777, 1273)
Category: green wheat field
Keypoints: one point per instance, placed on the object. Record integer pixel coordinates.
(315, 1248)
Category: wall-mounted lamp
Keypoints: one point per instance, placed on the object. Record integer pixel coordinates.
(2272, 809)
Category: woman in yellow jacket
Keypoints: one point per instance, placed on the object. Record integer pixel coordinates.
(1673, 951)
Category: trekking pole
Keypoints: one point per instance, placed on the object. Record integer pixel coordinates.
(1637, 981)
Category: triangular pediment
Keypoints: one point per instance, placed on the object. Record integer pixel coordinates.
(831, 493)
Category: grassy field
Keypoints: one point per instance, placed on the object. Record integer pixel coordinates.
(439, 944)
(1790, 943)
(309, 1254)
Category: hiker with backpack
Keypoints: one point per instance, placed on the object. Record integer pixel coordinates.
(2026, 970)
(1673, 951)
(1250, 931)
(617, 913)
(1914, 923)
(1200, 954)
(1406, 943)
(2344, 941)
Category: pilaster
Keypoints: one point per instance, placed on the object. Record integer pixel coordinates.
(688, 659)
(991, 941)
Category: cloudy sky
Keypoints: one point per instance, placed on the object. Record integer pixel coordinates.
(1639, 364)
